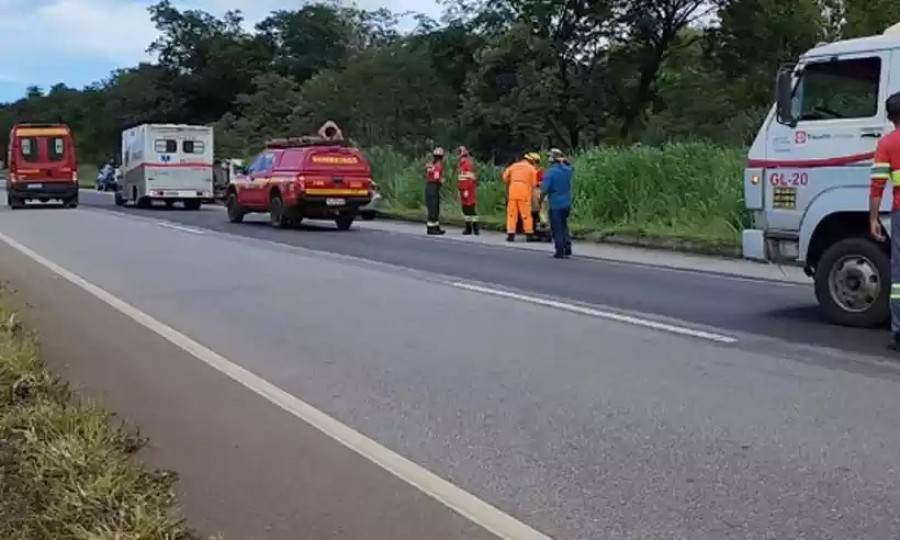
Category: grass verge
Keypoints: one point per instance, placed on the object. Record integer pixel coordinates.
(65, 470)
(681, 196)
(87, 176)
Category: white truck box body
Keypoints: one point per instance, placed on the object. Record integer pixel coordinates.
(171, 162)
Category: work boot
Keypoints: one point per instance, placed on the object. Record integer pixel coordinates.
(531, 238)
(468, 230)
(436, 230)
(476, 230)
(510, 237)
(895, 343)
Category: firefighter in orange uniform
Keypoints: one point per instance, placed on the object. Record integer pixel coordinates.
(467, 184)
(521, 179)
(434, 177)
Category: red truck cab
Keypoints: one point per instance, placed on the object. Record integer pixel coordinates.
(304, 177)
(41, 165)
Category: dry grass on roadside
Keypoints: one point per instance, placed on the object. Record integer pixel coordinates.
(65, 469)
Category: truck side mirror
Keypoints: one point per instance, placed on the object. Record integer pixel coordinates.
(784, 94)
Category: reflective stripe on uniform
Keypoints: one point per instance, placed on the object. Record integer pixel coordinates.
(432, 224)
(881, 171)
(895, 291)
(466, 176)
(895, 178)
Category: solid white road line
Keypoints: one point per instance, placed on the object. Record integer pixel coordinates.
(191, 230)
(581, 310)
(466, 504)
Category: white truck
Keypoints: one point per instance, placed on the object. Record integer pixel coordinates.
(166, 162)
(806, 183)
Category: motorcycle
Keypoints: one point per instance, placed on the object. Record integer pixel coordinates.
(107, 181)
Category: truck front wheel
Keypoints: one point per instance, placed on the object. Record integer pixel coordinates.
(853, 283)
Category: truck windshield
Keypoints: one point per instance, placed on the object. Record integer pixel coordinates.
(838, 89)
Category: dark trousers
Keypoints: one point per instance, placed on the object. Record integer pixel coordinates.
(470, 213)
(895, 273)
(559, 226)
(433, 203)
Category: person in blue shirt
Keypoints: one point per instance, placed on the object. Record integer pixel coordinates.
(557, 188)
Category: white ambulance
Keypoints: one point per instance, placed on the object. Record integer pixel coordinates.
(166, 162)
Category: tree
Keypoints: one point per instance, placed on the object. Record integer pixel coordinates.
(308, 40)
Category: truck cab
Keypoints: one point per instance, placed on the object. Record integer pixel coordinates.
(806, 182)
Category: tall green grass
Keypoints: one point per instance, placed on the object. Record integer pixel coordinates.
(687, 190)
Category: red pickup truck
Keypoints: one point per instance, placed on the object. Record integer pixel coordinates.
(303, 177)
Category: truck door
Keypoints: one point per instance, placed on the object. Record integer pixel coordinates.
(253, 193)
(839, 104)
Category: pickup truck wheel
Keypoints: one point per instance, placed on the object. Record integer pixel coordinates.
(235, 212)
(276, 212)
(14, 202)
(344, 221)
(853, 283)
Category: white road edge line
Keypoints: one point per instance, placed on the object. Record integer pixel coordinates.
(581, 310)
(191, 230)
(477, 511)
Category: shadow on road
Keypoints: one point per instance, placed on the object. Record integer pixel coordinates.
(812, 313)
(302, 227)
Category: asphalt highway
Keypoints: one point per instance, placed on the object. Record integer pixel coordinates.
(588, 400)
(767, 309)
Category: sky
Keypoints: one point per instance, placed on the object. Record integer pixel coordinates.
(78, 42)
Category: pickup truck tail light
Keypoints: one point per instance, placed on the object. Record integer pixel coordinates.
(13, 178)
(75, 176)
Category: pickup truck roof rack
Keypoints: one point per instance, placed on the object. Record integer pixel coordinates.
(304, 142)
(38, 125)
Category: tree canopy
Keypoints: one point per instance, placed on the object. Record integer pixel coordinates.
(499, 76)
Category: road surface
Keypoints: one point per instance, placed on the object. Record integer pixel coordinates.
(582, 398)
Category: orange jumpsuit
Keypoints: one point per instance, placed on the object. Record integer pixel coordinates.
(521, 179)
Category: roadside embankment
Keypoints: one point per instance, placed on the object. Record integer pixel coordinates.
(65, 468)
(686, 197)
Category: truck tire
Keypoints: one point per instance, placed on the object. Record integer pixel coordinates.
(276, 212)
(853, 284)
(14, 202)
(235, 212)
(344, 221)
(192, 204)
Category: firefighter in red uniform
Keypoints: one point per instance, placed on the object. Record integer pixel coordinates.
(434, 177)
(886, 168)
(467, 184)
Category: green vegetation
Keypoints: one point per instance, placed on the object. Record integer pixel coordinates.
(689, 190)
(65, 472)
(87, 175)
(687, 81)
